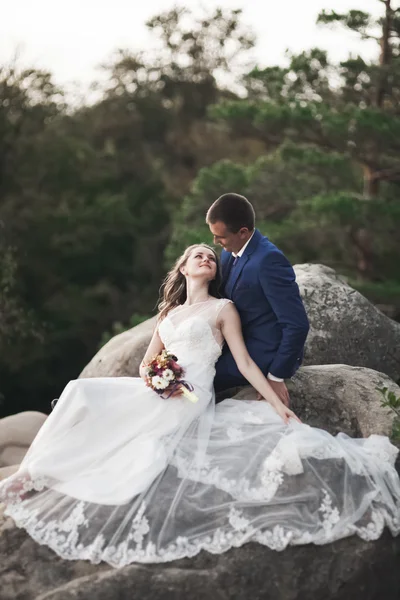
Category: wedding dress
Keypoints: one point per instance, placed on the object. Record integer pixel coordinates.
(118, 474)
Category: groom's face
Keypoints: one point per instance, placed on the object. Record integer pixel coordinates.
(231, 242)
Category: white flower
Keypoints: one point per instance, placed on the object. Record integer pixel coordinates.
(159, 383)
(168, 375)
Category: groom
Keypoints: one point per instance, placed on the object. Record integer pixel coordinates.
(259, 279)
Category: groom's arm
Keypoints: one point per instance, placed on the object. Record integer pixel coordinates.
(279, 285)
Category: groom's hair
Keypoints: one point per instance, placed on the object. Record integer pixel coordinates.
(234, 210)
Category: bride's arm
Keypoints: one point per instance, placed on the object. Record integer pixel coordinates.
(231, 329)
(154, 348)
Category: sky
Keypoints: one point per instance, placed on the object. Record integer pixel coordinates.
(71, 39)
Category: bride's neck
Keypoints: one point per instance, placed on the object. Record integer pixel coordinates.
(197, 291)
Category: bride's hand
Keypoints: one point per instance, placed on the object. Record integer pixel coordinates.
(285, 412)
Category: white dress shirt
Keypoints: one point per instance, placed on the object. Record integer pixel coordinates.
(243, 248)
(238, 255)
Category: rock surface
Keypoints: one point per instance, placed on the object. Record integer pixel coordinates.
(339, 398)
(342, 398)
(7, 471)
(17, 432)
(345, 328)
(122, 355)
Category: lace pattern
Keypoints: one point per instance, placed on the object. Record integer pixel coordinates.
(195, 327)
(63, 536)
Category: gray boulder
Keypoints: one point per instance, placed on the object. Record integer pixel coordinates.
(17, 432)
(122, 355)
(8, 471)
(336, 398)
(343, 398)
(345, 328)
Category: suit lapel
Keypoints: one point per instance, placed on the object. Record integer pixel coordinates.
(237, 271)
(243, 259)
(226, 269)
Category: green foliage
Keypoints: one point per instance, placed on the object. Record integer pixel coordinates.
(300, 102)
(305, 78)
(384, 294)
(388, 291)
(390, 400)
(277, 184)
(198, 49)
(349, 111)
(168, 93)
(189, 220)
(350, 130)
(357, 20)
(345, 219)
(80, 223)
(16, 321)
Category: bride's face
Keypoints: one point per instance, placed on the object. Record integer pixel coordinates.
(201, 263)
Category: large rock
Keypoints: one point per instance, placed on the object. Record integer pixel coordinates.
(335, 397)
(342, 398)
(8, 471)
(122, 355)
(17, 432)
(345, 328)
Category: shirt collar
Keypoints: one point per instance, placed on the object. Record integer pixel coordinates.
(243, 248)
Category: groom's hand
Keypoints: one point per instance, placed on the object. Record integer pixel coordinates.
(280, 390)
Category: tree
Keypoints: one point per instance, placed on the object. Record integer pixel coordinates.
(80, 205)
(358, 119)
(377, 85)
(279, 185)
(169, 91)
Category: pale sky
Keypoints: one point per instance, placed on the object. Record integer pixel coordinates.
(72, 38)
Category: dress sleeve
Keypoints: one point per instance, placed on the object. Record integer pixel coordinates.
(220, 305)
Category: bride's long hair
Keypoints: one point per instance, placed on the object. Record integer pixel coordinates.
(173, 290)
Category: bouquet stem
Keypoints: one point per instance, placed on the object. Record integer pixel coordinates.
(188, 394)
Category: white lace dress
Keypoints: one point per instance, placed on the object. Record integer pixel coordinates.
(118, 474)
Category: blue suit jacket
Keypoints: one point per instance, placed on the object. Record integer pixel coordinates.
(274, 322)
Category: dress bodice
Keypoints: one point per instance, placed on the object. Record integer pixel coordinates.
(192, 334)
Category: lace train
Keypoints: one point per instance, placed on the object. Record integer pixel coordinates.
(289, 493)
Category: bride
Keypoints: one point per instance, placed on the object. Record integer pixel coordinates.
(118, 474)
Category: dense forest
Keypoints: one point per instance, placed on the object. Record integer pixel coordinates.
(97, 199)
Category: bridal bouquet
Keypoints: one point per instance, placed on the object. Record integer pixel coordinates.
(164, 376)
